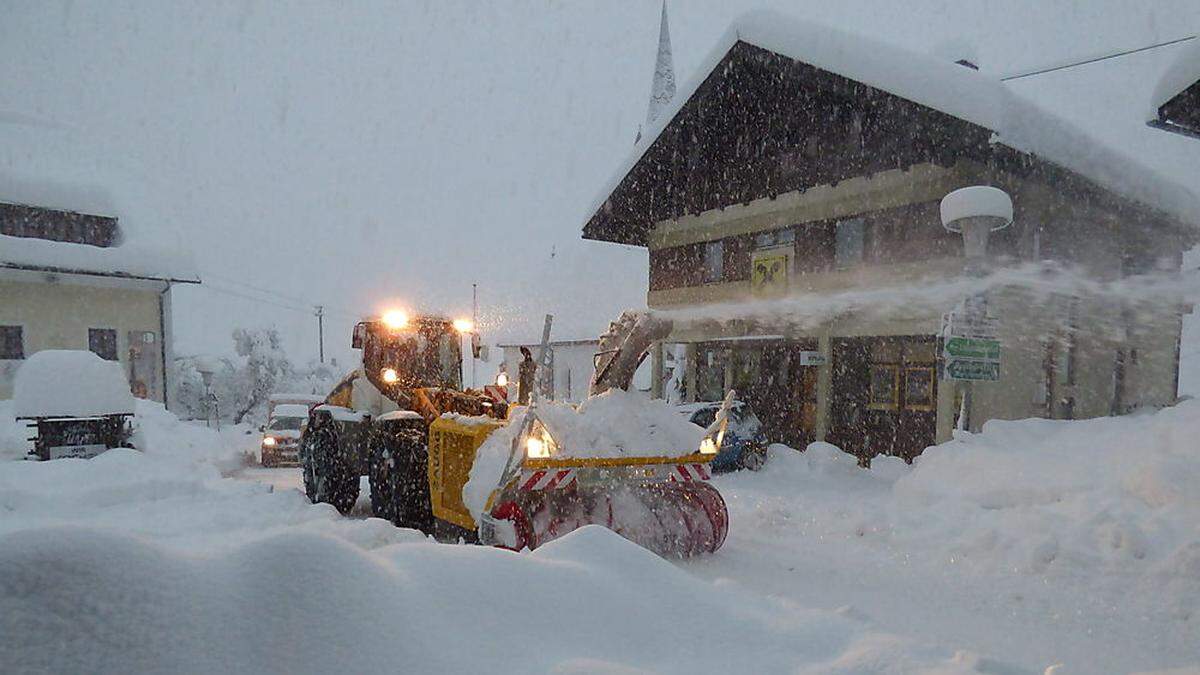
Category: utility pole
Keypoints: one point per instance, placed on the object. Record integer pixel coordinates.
(474, 327)
(321, 333)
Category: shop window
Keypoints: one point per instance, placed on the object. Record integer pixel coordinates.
(848, 243)
(714, 261)
(885, 387)
(12, 342)
(918, 388)
(103, 342)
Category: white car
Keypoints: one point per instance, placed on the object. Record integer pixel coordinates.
(281, 434)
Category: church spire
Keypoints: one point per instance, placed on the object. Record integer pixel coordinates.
(663, 88)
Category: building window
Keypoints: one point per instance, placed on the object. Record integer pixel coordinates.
(12, 343)
(103, 341)
(848, 244)
(918, 388)
(714, 261)
(885, 387)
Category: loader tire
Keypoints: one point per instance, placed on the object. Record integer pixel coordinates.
(399, 475)
(329, 475)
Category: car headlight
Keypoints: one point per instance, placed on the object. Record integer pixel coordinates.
(269, 441)
(389, 375)
(539, 444)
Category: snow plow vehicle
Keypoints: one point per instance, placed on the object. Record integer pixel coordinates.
(463, 466)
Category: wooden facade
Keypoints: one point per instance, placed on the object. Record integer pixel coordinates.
(1182, 113)
(20, 220)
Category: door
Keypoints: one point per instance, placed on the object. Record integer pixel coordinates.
(144, 360)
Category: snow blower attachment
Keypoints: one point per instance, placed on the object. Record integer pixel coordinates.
(621, 461)
(548, 488)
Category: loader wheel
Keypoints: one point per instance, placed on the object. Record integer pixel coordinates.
(399, 475)
(328, 474)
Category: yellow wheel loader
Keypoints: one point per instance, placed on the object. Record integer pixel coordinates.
(403, 419)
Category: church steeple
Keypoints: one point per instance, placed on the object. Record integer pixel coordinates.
(662, 90)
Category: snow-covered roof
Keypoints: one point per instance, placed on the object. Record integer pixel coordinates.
(290, 410)
(130, 257)
(942, 85)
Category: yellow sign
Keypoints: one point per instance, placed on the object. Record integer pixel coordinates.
(769, 273)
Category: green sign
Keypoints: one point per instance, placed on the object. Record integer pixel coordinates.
(967, 369)
(972, 348)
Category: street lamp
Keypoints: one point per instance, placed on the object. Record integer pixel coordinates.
(976, 212)
(970, 348)
(207, 366)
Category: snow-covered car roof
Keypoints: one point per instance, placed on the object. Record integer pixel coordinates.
(689, 408)
(70, 383)
(290, 410)
(939, 84)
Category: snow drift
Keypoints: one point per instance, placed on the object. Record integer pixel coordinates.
(70, 383)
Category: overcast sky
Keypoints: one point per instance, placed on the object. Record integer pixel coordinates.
(360, 154)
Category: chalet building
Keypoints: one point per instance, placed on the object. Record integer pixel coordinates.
(70, 281)
(789, 201)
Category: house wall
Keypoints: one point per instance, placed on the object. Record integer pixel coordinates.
(1123, 355)
(58, 315)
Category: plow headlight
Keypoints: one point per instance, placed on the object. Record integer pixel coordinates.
(395, 319)
(464, 325)
(502, 380)
(389, 375)
(268, 441)
(536, 448)
(538, 442)
(708, 446)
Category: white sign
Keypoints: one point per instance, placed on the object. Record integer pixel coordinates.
(809, 358)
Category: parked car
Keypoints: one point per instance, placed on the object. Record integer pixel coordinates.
(744, 445)
(281, 434)
(75, 403)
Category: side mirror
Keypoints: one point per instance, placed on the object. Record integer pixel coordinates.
(477, 348)
(356, 339)
(262, 428)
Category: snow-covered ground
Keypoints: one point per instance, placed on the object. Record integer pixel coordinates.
(1032, 544)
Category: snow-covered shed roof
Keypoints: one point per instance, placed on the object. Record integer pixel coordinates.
(944, 86)
(1176, 102)
(115, 256)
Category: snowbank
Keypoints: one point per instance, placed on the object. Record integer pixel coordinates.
(614, 424)
(70, 383)
(1047, 541)
(74, 600)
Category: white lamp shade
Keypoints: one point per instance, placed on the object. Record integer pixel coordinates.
(977, 201)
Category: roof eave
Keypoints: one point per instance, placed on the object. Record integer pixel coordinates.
(94, 273)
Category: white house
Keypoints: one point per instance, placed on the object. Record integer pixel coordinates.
(71, 281)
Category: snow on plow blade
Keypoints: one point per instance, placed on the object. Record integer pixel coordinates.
(667, 508)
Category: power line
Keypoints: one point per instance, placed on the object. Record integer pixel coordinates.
(288, 301)
(1096, 59)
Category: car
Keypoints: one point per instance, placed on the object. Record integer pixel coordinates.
(281, 434)
(744, 445)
